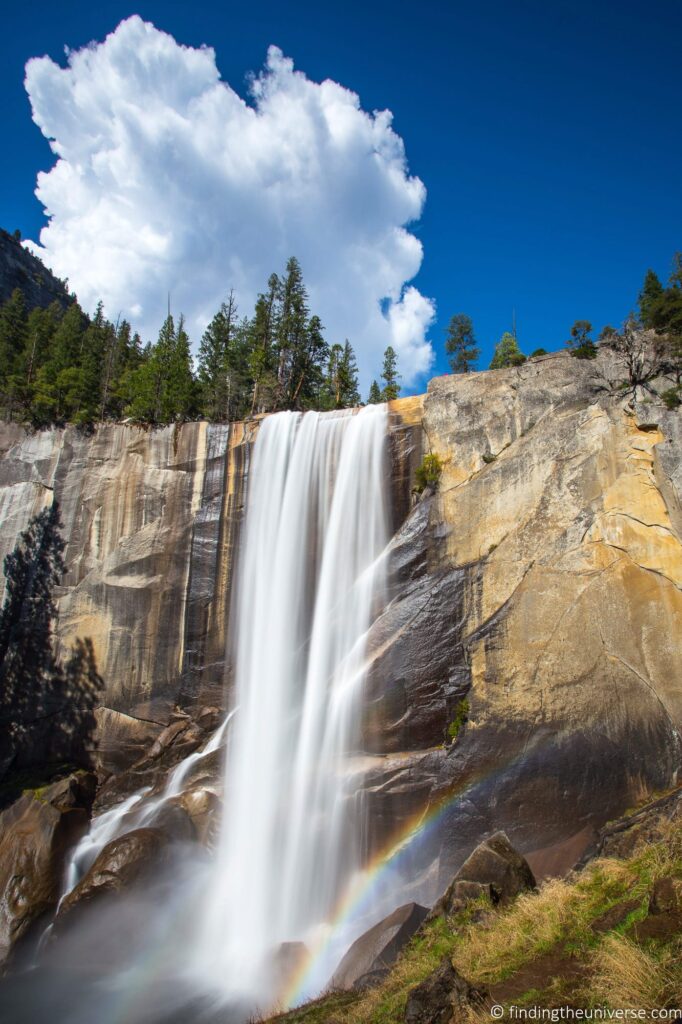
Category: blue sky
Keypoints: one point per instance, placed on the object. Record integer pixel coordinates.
(547, 135)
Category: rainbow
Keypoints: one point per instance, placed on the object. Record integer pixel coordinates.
(359, 894)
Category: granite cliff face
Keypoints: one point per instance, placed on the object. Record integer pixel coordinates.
(542, 583)
(150, 518)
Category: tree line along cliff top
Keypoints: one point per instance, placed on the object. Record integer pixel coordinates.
(59, 365)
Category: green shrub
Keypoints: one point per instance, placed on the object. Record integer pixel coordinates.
(588, 350)
(461, 715)
(428, 474)
(538, 352)
(488, 457)
(672, 398)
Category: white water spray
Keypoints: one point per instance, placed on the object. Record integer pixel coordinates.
(311, 580)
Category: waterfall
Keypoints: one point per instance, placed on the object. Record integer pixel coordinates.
(311, 580)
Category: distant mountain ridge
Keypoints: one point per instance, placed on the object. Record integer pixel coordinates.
(19, 268)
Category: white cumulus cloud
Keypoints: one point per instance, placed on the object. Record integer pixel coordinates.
(168, 181)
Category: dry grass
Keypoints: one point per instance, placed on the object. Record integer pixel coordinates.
(627, 976)
(538, 921)
(534, 924)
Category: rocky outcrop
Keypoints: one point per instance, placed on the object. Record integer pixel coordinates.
(19, 268)
(170, 748)
(636, 830)
(372, 954)
(494, 870)
(543, 585)
(122, 863)
(122, 740)
(36, 833)
(445, 997)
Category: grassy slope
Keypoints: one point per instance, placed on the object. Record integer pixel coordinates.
(580, 941)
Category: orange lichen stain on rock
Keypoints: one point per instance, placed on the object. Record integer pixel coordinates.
(410, 409)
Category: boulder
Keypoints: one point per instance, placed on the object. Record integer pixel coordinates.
(666, 896)
(175, 822)
(203, 808)
(122, 863)
(169, 746)
(122, 740)
(494, 869)
(445, 997)
(377, 950)
(36, 833)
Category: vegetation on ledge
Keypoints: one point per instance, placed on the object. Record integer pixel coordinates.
(428, 473)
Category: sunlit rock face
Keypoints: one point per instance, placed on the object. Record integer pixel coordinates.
(543, 583)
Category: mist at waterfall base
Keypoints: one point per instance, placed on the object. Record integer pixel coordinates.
(256, 922)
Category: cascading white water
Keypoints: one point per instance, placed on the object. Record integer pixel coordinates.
(136, 811)
(311, 579)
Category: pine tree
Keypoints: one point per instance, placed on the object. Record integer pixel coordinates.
(348, 373)
(216, 362)
(675, 279)
(162, 389)
(608, 336)
(507, 353)
(67, 343)
(292, 336)
(460, 344)
(340, 389)
(307, 373)
(179, 394)
(117, 347)
(41, 327)
(261, 356)
(652, 290)
(390, 376)
(374, 397)
(331, 395)
(152, 395)
(13, 333)
(580, 343)
(140, 389)
(13, 341)
(123, 357)
(96, 356)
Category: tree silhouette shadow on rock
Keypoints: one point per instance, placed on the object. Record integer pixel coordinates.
(47, 706)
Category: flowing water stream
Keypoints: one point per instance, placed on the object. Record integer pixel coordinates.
(311, 580)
